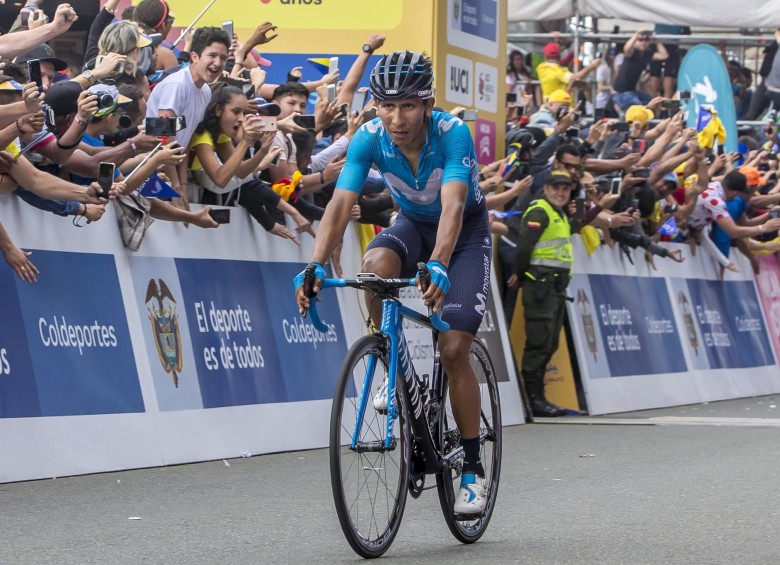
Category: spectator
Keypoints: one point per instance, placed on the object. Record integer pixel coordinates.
(667, 68)
(520, 82)
(639, 51)
(218, 147)
(186, 92)
(554, 76)
(12, 45)
(155, 16)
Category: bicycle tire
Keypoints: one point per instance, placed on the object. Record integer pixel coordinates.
(448, 439)
(369, 524)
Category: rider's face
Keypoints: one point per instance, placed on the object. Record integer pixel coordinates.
(404, 119)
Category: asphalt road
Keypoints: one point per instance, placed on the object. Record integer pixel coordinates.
(696, 484)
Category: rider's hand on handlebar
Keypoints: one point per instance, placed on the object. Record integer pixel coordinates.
(439, 285)
(307, 284)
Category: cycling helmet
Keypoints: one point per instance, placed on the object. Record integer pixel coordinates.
(402, 74)
(522, 137)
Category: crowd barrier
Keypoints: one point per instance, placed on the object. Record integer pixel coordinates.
(191, 349)
(678, 335)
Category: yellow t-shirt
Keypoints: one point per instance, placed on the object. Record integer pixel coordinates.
(201, 139)
(552, 77)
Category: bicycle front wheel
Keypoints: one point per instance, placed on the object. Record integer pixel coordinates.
(448, 481)
(369, 481)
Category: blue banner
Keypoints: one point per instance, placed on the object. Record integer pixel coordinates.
(80, 354)
(249, 342)
(478, 17)
(730, 323)
(704, 74)
(18, 389)
(639, 335)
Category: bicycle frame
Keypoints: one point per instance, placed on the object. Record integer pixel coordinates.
(399, 358)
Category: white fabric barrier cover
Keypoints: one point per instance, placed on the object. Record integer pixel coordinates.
(714, 13)
(189, 350)
(539, 10)
(678, 335)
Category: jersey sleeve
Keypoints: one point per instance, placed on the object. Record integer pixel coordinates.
(359, 160)
(458, 149)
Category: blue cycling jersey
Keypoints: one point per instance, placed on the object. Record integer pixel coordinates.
(448, 155)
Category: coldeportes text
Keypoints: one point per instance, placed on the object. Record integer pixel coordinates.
(299, 331)
(59, 333)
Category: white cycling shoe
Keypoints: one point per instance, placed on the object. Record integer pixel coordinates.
(472, 496)
(380, 397)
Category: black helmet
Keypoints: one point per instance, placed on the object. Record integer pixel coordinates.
(402, 74)
(522, 137)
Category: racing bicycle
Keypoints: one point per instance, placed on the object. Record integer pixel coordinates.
(391, 427)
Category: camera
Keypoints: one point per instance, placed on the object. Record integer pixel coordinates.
(105, 101)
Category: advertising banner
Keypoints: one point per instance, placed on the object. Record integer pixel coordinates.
(647, 338)
(768, 280)
(704, 74)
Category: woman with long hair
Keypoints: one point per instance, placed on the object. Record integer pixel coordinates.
(218, 159)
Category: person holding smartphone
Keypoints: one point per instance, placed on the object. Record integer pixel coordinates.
(218, 148)
(639, 51)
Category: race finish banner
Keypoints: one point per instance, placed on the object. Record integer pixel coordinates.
(678, 335)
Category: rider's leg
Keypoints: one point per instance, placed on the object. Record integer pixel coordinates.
(454, 348)
(386, 263)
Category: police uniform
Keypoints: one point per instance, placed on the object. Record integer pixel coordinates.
(544, 262)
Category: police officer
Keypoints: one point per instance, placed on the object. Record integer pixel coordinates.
(544, 261)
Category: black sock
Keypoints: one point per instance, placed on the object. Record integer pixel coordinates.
(472, 463)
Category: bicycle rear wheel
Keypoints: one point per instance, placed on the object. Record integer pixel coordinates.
(369, 483)
(448, 481)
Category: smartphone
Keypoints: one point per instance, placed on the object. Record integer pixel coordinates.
(520, 111)
(468, 116)
(34, 68)
(614, 186)
(670, 208)
(673, 105)
(275, 160)
(105, 178)
(161, 126)
(227, 27)
(621, 126)
(721, 149)
(248, 90)
(305, 121)
(638, 146)
(511, 97)
(774, 214)
(641, 173)
(359, 99)
(333, 65)
(635, 203)
(221, 216)
(267, 123)
(579, 208)
(685, 95)
(370, 114)
(331, 92)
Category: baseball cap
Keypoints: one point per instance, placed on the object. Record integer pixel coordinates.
(672, 178)
(736, 181)
(7, 83)
(63, 97)
(558, 177)
(552, 51)
(44, 53)
(639, 114)
(752, 174)
(267, 108)
(560, 96)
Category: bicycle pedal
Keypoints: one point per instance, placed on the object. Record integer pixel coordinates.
(468, 517)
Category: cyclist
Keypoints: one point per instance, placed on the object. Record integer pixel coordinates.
(429, 164)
